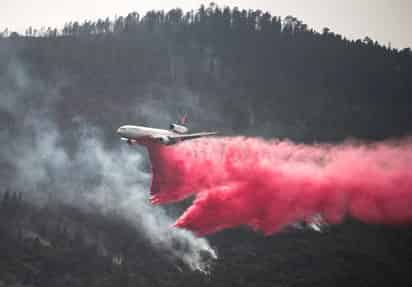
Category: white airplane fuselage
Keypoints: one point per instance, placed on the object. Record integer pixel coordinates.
(136, 134)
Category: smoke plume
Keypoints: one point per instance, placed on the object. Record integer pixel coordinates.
(89, 175)
(268, 185)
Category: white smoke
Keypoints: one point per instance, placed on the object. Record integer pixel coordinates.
(93, 177)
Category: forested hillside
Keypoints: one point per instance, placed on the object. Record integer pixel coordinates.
(242, 72)
(259, 69)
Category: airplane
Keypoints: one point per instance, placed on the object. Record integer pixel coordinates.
(176, 133)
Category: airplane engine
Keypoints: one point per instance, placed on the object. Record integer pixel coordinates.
(179, 128)
(165, 140)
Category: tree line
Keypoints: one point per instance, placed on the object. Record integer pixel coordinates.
(259, 66)
(263, 74)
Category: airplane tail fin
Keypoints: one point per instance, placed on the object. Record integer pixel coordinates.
(183, 119)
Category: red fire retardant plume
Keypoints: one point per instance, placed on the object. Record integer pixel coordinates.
(270, 184)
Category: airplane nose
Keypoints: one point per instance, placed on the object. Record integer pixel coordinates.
(118, 130)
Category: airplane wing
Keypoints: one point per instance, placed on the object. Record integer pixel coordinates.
(192, 136)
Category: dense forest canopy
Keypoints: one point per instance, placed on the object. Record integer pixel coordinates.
(263, 69)
(243, 72)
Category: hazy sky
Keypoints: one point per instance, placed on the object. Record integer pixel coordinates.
(382, 20)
